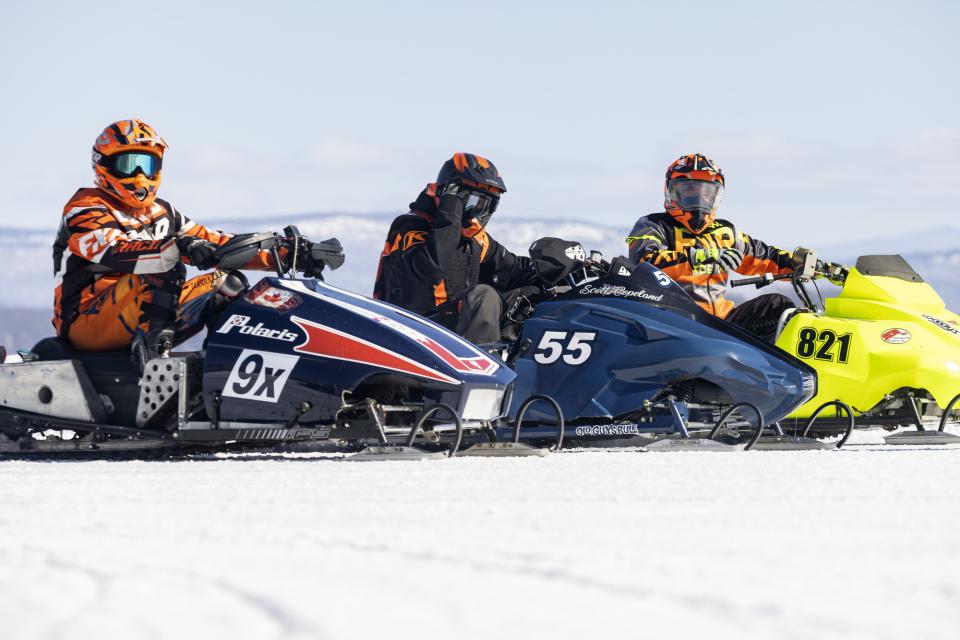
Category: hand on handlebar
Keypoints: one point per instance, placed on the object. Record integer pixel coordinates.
(201, 253)
(727, 259)
(313, 257)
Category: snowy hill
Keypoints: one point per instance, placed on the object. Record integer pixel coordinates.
(27, 280)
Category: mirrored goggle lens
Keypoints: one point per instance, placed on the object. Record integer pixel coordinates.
(696, 194)
(126, 165)
(478, 203)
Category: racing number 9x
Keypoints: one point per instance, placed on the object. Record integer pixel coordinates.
(249, 375)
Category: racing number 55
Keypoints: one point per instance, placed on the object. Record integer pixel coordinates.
(573, 346)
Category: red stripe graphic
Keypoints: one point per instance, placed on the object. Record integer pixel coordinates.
(330, 343)
(475, 365)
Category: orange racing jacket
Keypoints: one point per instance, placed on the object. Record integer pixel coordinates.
(661, 241)
(100, 240)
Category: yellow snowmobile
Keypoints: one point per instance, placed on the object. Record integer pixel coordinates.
(886, 350)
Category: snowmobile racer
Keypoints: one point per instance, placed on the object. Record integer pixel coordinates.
(439, 261)
(120, 252)
(699, 251)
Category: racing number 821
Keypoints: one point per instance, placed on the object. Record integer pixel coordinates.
(820, 345)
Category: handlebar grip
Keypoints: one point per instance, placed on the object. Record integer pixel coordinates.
(743, 282)
(760, 281)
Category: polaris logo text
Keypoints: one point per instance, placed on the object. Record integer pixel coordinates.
(243, 326)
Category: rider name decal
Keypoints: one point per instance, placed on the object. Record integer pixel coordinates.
(619, 291)
(259, 375)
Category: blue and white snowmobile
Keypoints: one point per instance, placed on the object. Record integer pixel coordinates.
(630, 359)
(291, 363)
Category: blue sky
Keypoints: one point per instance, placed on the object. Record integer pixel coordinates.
(831, 120)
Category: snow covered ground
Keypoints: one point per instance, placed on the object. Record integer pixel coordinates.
(860, 543)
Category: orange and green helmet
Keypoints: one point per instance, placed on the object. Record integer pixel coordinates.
(127, 158)
(693, 191)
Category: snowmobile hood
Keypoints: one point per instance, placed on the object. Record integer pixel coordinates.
(886, 330)
(643, 332)
(391, 337)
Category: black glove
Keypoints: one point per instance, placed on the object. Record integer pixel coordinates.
(451, 206)
(313, 257)
(202, 254)
(727, 259)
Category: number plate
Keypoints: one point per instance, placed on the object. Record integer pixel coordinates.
(259, 375)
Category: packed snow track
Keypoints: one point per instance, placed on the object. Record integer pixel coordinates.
(857, 543)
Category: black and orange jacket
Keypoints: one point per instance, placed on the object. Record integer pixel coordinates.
(661, 241)
(430, 258)
(101, 239)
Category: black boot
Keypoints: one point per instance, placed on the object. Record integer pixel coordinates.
(160, 314)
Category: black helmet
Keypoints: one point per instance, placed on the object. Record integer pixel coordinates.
(471, 171)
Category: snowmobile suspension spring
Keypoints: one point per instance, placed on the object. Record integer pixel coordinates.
(684, 391)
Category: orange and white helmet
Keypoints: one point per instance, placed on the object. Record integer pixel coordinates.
(127, 158)
(693, 191)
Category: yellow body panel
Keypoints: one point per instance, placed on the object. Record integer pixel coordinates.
(867, 309)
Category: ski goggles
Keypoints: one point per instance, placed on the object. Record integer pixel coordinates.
(690, 195)
(479, 204)
(130, 163)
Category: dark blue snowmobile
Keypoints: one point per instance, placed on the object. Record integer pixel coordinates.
(630, 359)
(292, 363)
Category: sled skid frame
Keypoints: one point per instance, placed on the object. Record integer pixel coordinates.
(681, 440)
(407, 451)
(923, 437)
(782, 442)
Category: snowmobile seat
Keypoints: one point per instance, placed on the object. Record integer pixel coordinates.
(103, 362)
(113, 374)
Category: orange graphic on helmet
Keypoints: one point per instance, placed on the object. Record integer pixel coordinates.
(127, 158)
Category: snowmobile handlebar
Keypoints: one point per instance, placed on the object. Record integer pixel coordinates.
(834, 272)
(301, 254)
(760, 281)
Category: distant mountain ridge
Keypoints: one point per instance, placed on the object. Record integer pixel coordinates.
(26, 279)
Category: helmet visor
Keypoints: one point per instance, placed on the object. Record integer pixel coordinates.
(479, 205)
(691, 195)
(127, 165)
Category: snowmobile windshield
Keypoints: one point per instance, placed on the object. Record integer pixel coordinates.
(693, 195)
(126, 165)
(479, 205)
